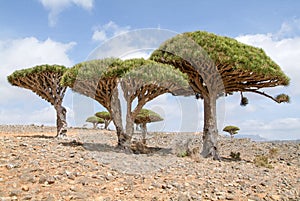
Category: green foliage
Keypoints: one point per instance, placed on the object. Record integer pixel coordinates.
(283, 98)
(235, 156)
(90, 70)
(36, 70)
(224, 51)
(147, 116)
(182, 154)
(94, 119)
(231, 129)
(244, 101)
(262, 161)
(104, 115)
(148, 72)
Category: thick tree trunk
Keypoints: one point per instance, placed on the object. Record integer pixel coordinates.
(210, 130)
(94, 125)
(61, 122)
(129, 121)
(123, 138)
(144, 133)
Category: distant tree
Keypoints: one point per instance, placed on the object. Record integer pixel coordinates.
(217, 66)
(232, 130)
(144, 117)
(95, 121)
(106, 117)
(44, 80)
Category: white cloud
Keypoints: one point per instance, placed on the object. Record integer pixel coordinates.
(55, 7)
(261, 116)
(285, 52)
(289, 29)
(24, 53)
(108, 30)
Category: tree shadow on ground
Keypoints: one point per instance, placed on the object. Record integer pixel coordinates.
(101, 147)
(37, 136)
(229, 159)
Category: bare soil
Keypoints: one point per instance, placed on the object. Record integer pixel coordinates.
(87, 166)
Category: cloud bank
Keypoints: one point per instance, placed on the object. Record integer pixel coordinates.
(18, 105)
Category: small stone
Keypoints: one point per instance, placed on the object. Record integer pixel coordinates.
(276, 197)
(42, 179)
(72, 188)
(71, 176)
(138, 196)
(10, 166)
(229, 197)
(150, 187)
(50, 180)
(186, 184)
(25, 188)
(27, 197)
(14, 193)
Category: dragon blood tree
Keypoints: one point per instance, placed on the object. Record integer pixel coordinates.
(141, 80)
(44, 80)
(232, 130)
(91, 78)
(144, 117)
(145, 80)
(106, 117)
(95, 121)
(218, 66)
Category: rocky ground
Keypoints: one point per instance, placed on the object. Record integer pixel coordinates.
(87, 166)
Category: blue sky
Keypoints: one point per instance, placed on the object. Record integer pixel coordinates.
(67, 31)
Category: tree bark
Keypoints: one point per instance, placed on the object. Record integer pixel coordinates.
(106, 123)
(129, 120)
(61, 122)
(144, 133)
(123, 138)
(210, 130)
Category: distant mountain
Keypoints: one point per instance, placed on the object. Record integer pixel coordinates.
(256, 138)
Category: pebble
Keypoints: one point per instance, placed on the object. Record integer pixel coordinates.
(25, 188)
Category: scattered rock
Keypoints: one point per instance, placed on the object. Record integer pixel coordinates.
(45, 168)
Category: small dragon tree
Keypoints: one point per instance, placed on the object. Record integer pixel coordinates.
(219, 66)
(106, 117)
(44, 80)
(146, 116)
(232, 130)
(95, 121)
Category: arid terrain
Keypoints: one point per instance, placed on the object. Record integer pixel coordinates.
(87, 166)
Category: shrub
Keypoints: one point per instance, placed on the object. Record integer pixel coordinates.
(262, 161)
(182, 154)
(273, 152)
(235, 155)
